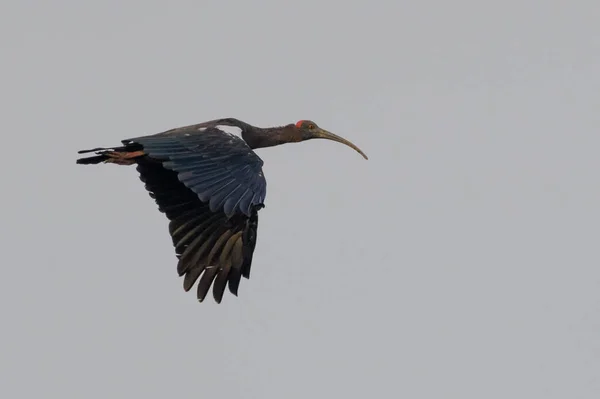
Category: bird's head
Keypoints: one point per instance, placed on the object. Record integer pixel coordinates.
(309, 130)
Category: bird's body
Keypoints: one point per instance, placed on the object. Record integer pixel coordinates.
(210, 184)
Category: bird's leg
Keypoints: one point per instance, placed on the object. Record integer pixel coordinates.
(123, 158)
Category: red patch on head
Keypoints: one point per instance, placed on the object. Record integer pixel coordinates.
(299, 124)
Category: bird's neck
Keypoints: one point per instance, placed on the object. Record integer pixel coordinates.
(269, 137)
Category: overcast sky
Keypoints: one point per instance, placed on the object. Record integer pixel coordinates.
(460, 261)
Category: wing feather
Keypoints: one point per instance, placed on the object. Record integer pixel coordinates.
(211, 186)
(210, 160)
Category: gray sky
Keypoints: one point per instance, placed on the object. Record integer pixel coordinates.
(460, 261)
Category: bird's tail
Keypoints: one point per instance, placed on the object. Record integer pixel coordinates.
(124, 155)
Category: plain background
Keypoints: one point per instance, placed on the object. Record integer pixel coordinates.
(460, 261)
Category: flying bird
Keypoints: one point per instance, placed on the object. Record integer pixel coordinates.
(210, 184)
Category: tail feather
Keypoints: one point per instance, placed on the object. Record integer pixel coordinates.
(124, 155)
(92, 160)
(98, 149)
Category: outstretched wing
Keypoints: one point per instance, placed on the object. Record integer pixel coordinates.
(210, 185)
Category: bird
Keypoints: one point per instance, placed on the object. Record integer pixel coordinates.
(209, 182)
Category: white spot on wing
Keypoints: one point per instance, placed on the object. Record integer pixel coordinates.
(232, 130)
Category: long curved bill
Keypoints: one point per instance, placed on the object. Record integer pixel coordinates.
(324, 134)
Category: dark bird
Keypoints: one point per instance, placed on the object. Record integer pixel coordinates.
(210, 184)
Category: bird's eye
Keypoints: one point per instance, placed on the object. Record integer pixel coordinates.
(311, 127)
